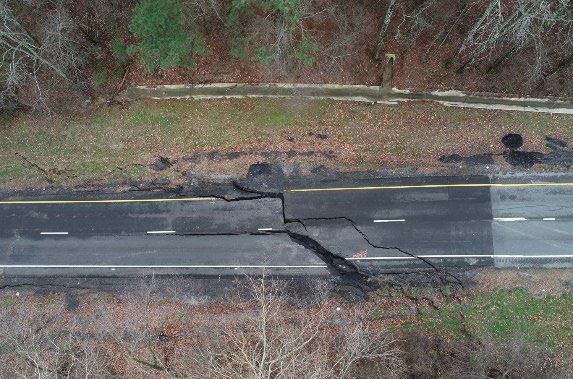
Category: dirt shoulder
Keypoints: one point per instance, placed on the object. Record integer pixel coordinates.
(221, 138)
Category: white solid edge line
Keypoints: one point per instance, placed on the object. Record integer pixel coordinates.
(264, 229)
(157, 266)
(161, 232)
(510, 219)
(400, 220)
(533, 256)
(422, 256)
(462, 256)
(548, 218)
(54, 233)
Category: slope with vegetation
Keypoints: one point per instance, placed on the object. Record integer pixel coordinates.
(258, 329)
(59, 53)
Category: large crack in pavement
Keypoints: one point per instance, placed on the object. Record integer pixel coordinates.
(442, 273)
(345, 269)
(352, 276)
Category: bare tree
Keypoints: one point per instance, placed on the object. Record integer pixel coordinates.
(276, 339)
(346, 28)
(417, 19)
(60, 44)
(45, 344)
(504, 29)
(24, 56)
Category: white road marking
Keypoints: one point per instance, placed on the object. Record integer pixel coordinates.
(161, 232)
(421, 256)
(400, 220)
(264, 229)
(54, 233)
(533, 256)
(157, 266)
(461, 256)
(548, 218)
(510, 219)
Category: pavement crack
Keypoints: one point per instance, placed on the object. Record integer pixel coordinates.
(369, 242)
(347, 270)
(344, 268)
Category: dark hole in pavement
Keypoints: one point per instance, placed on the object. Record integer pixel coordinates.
(512, 141)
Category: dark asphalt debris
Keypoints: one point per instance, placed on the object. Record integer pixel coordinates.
(162, 163)
(559, 156)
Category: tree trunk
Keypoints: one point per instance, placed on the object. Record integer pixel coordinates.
(384, 28)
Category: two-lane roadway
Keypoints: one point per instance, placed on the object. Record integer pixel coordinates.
(380, 224)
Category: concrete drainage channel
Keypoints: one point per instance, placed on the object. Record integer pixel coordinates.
(360, 93)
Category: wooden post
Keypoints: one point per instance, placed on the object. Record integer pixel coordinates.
(388, 73)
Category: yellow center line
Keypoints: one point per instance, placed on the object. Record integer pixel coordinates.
(109, 201)
(434, 186)
(292, 190)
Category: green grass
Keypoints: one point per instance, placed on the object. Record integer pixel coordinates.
(6, 301)
(506, 313)
(92, 147)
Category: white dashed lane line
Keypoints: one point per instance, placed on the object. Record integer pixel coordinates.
(161, 232)
(264, 229)
(506, 219)
(501, 219)
(54, 233)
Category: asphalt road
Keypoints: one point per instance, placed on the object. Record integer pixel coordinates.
(378, 224)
